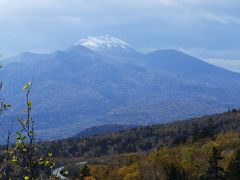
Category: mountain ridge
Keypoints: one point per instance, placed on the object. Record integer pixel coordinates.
(78, 87)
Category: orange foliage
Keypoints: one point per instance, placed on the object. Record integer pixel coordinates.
(89, 178)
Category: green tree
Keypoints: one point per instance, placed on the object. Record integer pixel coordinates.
(24, 153)
(233, 170)
(215, 172)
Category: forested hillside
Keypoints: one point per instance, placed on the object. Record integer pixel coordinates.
(98, 130)
(175, 151)
(179, 162)
(147, 138)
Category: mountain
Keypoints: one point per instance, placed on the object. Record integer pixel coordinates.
(178, 62)
(104, 81)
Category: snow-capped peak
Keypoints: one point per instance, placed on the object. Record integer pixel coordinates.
(102, 42)
(109, 46)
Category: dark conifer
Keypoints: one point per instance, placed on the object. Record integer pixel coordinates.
(233, 170)
(85, 172)
(215, 172)
(174, 173)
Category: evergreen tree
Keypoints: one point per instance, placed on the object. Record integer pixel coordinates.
(85, 172)
(215, 172)
(233, 170)
(174, 173)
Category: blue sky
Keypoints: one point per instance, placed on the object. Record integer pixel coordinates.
(208, 29)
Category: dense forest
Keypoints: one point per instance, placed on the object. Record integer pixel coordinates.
(199, 148)
(184, 161)
(146, 138)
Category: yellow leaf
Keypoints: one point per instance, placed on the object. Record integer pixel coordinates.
(27, 86)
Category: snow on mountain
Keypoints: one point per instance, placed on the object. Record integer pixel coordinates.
(108, 45)
(125, 88)
(96, 43)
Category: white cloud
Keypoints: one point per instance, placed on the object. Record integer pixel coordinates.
(232, 65)
(147, 23)
(220, 18)
(212, 54)
(162, 2)
(71, 19)
(25, 6)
